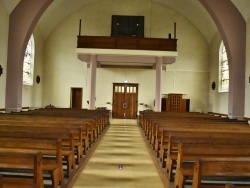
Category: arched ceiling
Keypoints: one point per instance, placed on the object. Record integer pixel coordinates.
(191, 9)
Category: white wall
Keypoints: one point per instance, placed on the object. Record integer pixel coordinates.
(218, 101)
(62, 69)
(4, 25)
(144, 77)
(32, 94)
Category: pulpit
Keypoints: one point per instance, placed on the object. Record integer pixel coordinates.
(173, 102)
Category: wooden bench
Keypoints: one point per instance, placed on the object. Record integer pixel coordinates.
(102, 116)
(67, 152)
(197, 142)
(229, 185)
(83, 126)
(88, 126)
(220, 167)
(171, 139)
(162, 135)
(156, 125)
(51, 127)
(21, 160)
(159, 123)
(60, 118)
(48, 147)
(180, 124)
(187, 153)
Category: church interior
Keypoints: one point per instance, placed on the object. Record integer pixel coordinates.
(127, 60)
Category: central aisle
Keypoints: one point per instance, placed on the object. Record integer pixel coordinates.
(121, 145)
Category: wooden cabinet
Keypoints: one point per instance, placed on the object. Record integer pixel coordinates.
(175, 103)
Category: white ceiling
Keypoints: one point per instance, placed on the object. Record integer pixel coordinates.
(191, 9)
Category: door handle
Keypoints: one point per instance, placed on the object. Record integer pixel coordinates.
(124, 105)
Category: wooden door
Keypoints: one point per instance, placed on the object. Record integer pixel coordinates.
(76, 97)
(125, 100)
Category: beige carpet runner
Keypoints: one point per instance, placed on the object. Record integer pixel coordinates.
(121, 160)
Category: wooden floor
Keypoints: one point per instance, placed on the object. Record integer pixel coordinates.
(122, 145)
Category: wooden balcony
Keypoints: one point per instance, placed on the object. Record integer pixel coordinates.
(127, 42)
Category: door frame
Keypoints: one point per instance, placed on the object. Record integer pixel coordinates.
(72, 89)
(136, 100)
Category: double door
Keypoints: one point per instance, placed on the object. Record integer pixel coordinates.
(125, 100)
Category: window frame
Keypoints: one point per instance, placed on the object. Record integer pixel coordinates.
(222, 59)
(31, 59)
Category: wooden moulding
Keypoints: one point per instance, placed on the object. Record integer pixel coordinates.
(132, 43)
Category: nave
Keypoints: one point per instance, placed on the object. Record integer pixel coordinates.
(123, 144)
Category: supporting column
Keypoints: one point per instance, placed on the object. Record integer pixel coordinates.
(22, 22)
(232, 27)
(92, 92)
(158, 76)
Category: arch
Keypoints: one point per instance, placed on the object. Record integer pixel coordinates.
(20, 29)
(232, 27)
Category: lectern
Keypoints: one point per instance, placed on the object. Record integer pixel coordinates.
(175, 103)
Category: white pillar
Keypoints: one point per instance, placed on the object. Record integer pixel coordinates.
(92, 92)
(158, 77)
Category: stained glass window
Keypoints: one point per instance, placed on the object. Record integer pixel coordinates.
(28, 63)
(224, 70)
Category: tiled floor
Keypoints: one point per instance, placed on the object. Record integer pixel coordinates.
(122, 144)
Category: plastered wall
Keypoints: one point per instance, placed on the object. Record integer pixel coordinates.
(218, 101)
(32, 94)
(62, 70)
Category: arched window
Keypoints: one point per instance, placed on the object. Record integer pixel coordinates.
(223, 69)
(28, 63)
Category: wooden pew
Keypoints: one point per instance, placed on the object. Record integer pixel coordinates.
(48, 147)
(161, 121)
(158, 122)
(53, 116)
(45, 122)
(100, 116)
(154, 124)
(67, 152)
(187, 153)
(51, 127)
(220, 167)
(171, 138)
(25, 160)
(229, 185)
(88, 126)
(200, 126)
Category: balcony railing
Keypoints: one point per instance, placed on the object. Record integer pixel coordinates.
(127, 42)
